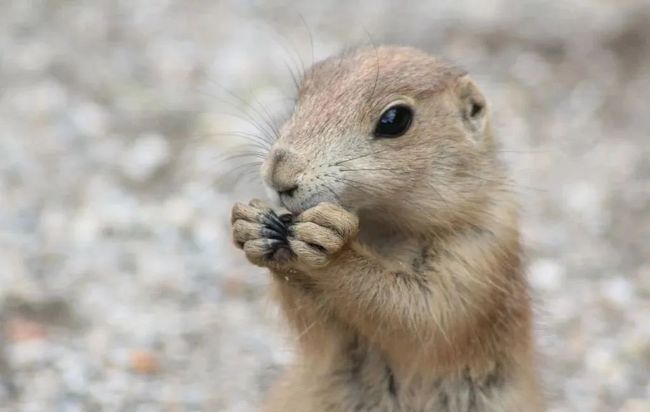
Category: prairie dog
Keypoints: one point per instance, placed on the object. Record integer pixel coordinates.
(399, 263)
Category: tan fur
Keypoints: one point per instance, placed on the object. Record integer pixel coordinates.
(402, 274)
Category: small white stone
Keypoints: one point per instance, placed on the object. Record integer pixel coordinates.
(145, 156)
(636, 405)
(546, 274)
(90, 119)
(30, 353)
(617, 291)
(599, 359)
(178, 211)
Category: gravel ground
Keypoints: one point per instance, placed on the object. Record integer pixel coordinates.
(119, 289)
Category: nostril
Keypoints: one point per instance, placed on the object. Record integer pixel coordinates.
(288, 192)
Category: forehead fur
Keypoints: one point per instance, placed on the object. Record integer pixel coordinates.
(370, 73)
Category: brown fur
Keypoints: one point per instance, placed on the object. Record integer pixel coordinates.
(401, 272)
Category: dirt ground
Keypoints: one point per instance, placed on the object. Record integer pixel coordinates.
(119, 287)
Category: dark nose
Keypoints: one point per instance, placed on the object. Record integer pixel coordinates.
(284, 170)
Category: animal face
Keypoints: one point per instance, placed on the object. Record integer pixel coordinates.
(379, 131)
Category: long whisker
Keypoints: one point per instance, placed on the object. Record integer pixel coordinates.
(374, 86)
(296, 66)
(363, 184)
(295, 78)
(261, 123)
(229, 156)
(307, 329)
(388, 169)
(269, 117)
(251, 141)
(239, 170)
(311, 37)
(507, 183)
(360, 156)
(437, 192)
(268, 136)
(338, 180)
(330, 189)
(412, 144)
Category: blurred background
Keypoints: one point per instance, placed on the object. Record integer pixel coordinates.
(119, 287)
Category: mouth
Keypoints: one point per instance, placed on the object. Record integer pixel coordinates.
(298, 205)
(299, 201)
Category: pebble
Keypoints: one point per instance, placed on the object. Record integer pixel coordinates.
(145, 156)
(144, 362)
(618, 291)
(546, 274)
(21, 330)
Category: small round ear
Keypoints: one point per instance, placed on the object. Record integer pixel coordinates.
(473, 107)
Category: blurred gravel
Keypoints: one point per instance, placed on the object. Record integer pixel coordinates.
(119, 289)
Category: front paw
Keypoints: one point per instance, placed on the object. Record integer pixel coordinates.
(319, 233)
(261, 233)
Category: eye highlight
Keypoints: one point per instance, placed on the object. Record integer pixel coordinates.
(394, 122)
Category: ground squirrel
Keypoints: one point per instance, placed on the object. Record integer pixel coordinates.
(398, 261)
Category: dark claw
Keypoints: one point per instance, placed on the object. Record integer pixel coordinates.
(275, 231)
(271, 220)
(273, 244)
(271, 233)
(286, 218)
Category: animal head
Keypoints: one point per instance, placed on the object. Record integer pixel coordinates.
(382, 131)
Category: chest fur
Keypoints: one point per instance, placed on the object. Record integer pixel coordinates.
(394, 247)
(365, 381)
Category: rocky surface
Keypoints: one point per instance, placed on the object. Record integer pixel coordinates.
(119, 289)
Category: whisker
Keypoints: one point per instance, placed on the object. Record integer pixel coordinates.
(330, 189)
(364, 184)
(525, 151)
(253, 139)
(360, 157)
(291, 52)
(389, 169)
(412, 144)
(374, 86)
(269, 117)
(506, 182)
(360, 189)
(240, 171)
(437, 192)
(307, 329)
(229, 156)
(311, 37)
(260, 123)
(268, 136)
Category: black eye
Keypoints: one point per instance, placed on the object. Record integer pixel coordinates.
(394, 122)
